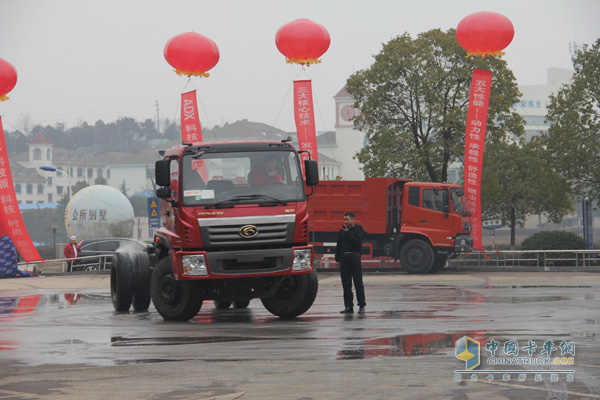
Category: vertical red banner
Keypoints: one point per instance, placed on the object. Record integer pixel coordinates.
(190, 127)
(190, 120)
(10, 215)
(304, 115)
(477, 115)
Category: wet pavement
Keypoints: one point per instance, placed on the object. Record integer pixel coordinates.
(60, 338)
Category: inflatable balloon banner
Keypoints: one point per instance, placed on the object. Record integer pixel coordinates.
(481, 34)
(191, 54)
(302, 42)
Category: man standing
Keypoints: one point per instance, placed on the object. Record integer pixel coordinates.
(347, 254)
(72, 250)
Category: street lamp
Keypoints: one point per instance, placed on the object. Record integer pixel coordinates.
(52, 169)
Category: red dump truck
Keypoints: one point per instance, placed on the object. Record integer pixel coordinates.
(421, 224)
(233, 229)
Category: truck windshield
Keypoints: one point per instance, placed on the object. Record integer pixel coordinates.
(459, 201)
(241, 177)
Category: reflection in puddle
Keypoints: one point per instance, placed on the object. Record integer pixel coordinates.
(403, 345)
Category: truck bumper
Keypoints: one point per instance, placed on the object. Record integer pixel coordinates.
(240, 263)
(463, 243)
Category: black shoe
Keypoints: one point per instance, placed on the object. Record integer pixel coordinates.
(347, 310)
(361, 310)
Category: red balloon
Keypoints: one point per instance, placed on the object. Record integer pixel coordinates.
(8, 78)
(302, 41)
(485, 34)
(191, 54)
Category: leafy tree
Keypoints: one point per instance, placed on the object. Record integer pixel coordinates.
(518, 181)
(140, 206)
(123, 188)
(39, 224)
(413, 103)
(100, 181)
(573, 138)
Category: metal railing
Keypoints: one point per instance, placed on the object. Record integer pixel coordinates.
(89, 263)
(529, 258)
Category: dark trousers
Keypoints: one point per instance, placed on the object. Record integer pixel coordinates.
(350, 270)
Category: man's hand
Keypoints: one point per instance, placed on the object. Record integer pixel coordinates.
(344, 228)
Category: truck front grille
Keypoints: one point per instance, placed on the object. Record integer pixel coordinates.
(230, 235)
(269, 230)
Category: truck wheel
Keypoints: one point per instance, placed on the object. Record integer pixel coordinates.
(222, 305)
(121, 287)
(141, 286)
(294, 297)
(241, 304)
(416, 257)
(439, 262)
(174, 300)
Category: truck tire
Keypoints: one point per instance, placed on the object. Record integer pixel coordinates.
(121, 287)
(174, 300)
(439, 262)
(141, 281)
(294, 297)
(241, 304)
(416, 257)
(222, 305)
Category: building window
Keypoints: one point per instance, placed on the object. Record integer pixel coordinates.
(40, 202)
(29, 189)
(49, 197)
(48, 154)
(90, 173)
(59, 190)
(80, 172)
(40, 189)
(18, 188)
(59, 171)
(49, 181)
(37, 154)
(100, 173)
(108, 173)
(29, 201)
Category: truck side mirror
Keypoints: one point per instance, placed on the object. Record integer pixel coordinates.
(163, 193)
(163, 173)
(311, 169)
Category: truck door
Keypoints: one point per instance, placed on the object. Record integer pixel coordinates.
(434, 220)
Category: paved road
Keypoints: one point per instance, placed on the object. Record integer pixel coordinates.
(61, 339)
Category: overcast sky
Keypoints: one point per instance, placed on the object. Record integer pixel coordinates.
(88, 60)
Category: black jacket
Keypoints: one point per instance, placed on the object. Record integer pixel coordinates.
(349, 241)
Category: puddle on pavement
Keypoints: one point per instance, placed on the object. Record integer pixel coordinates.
(414, 345)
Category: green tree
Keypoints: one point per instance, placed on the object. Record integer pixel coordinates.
(518, 181)
(413, 103)
(573, 138)
(124, 189)
(140, 205)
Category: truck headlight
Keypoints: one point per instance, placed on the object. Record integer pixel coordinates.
(301, 260)
(194, 265)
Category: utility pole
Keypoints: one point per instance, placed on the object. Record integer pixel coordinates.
(157, 119)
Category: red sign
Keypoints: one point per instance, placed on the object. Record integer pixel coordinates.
(474, 145)
(10, 215)
(190, 127)
(190, 120)
(304, 115)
